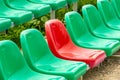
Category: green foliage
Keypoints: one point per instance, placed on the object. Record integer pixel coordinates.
(14, 32)
(84, 2)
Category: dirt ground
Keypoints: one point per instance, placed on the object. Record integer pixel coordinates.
(108, 70)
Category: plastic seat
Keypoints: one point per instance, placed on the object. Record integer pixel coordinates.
(40, 58)
(55, 4)
(81, 36)
(63, 47)
(116, 6)
(5, 24)
(37, 9)
(14, 67)
(108, 14)
(96, 25)
(17, 16)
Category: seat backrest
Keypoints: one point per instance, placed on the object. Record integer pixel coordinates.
(75, 25)
(106, 10)
(9, 3)
(34, 46)
(11, 60)
(2, 5)
(57, 35)
(15, 1)
(2, 76)
(116, 6)
(92, 17)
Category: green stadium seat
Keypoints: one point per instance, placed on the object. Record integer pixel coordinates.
(81, 36)
(14, 67)
(37, 9)
(40, 58)
(55, 4)
(17, 16)
(116, 6)
(108, 14)
(96, 24)
(5, 24)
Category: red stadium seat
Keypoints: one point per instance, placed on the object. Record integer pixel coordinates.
(62, 46)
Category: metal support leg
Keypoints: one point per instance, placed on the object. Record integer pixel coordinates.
(98, 67)
(67, 7)
(52, 14)
(88, 67)
(3, 32)
(33, 16)
(81, 78)
(75, 6)
(12, 24)
(114, 57)
(101, 64)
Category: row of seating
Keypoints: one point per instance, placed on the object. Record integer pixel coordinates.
(39, 58)
(84, 43)
(21, 11)
(81, 36)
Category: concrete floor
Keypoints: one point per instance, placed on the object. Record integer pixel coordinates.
(109, 70)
